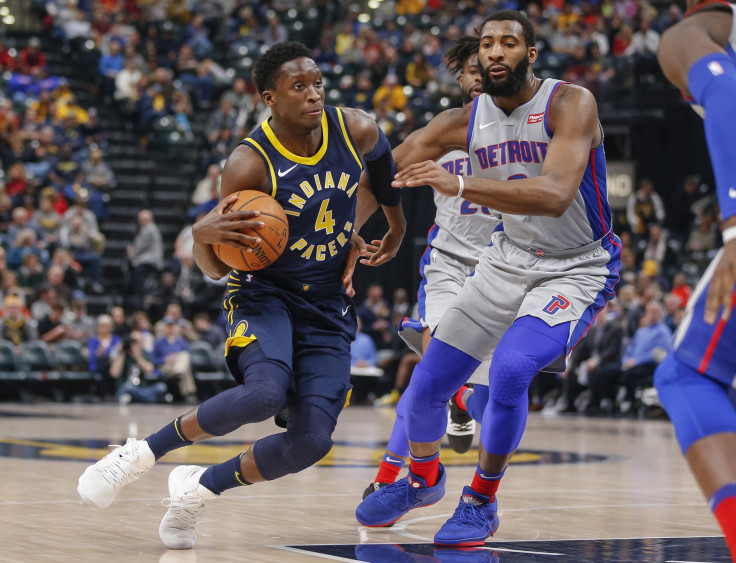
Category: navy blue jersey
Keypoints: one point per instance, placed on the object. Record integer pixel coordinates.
(318, 194)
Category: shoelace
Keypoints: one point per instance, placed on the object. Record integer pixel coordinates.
(399, 492)
(113, 471)
(461, 426)
(469, 514)
(184, 510)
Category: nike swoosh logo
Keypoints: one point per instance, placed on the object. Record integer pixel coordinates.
(486, 476)
(392, 460)
(484, 125)
(345, 310)
(283, 173)
(732, 192)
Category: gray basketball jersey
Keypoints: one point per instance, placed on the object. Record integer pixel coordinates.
(509, 147)
(464, 227)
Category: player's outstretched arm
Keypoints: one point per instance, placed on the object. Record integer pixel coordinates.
(243, 171)
(574, 120)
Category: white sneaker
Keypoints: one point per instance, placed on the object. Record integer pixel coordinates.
(178, 529)
(100, 483)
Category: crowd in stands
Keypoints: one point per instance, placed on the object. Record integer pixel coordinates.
(164, 59)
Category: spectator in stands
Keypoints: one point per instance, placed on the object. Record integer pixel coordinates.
(362, 351)
(32, 59)
(208, 332)
(77, 30)
(46, 219)
(51, 328)
(110, 65)
(375, 314)
(45, 300)
(203, 191)
(26, 242)
(15, 326)
(172, 360)
(75, 237)
(597, 358)
(644, 42)
(140, 323)
(390, 95)
(672, 311)
(275, 31)
(97, 174)
(681, 289)
(101, 348)
(31, 273)
(135, 374)
(190, 285)
(126, 82)
(159, 296)
(224, 117)
(647, 348)
(119, 324)
(146, 254)
(71, 271)
(66, 174)
(702, 239)
(16, 183)
(80, 326)
(7, 60)
(657, 248)
(174, 311)
(622, 40)
(643, 208)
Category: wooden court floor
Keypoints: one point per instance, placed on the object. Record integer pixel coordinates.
(619, 488)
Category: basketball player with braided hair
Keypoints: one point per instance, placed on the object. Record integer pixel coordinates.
(454, 245)
(696, 380)
(290, 324)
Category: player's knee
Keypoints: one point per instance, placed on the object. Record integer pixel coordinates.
(510, 375)
(305, 449)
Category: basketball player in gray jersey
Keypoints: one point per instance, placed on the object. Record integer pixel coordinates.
(536, 152)
(454, 244)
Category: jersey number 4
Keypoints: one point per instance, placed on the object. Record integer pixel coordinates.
(324, 219)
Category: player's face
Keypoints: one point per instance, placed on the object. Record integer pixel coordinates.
(299, 96)
(504, 58)
(470, 80)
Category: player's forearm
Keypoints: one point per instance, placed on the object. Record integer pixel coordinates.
(526, 196)
(366, 205)
(210, 264)
(396, 220)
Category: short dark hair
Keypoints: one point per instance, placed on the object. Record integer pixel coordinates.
(461, 52)
(513, 15)
(268, 67)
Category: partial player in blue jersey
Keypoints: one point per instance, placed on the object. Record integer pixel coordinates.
(696, 381)
(290, 324)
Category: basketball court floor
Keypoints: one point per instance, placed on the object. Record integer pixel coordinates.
(578, 490)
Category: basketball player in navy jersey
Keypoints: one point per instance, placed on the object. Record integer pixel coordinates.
(290, 324)
(696, 380)
(536, 151)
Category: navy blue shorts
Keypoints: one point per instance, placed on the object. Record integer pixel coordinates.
(309, 330)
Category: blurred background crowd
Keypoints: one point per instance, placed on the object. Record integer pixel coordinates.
(117, 115)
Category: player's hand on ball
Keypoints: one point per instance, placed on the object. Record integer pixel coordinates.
(427, 173)
(218, 227)
(358, 248)
(720, 293)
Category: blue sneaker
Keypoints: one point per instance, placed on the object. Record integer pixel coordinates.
(474, 521)
(389, 503)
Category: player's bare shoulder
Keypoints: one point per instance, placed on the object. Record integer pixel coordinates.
(363, 128)
(244, 170)
(574, 106)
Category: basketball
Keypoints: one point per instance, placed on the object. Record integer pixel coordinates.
(273, 235)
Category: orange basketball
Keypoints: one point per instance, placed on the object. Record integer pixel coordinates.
(273, 235)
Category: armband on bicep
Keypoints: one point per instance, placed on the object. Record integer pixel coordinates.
(381, 169)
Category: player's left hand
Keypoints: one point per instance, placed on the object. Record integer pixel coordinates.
(381, 251)
(427, 173)
(357, 249)
(721, 291)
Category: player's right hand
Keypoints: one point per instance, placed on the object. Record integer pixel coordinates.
(721, 291)
(218, 227)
